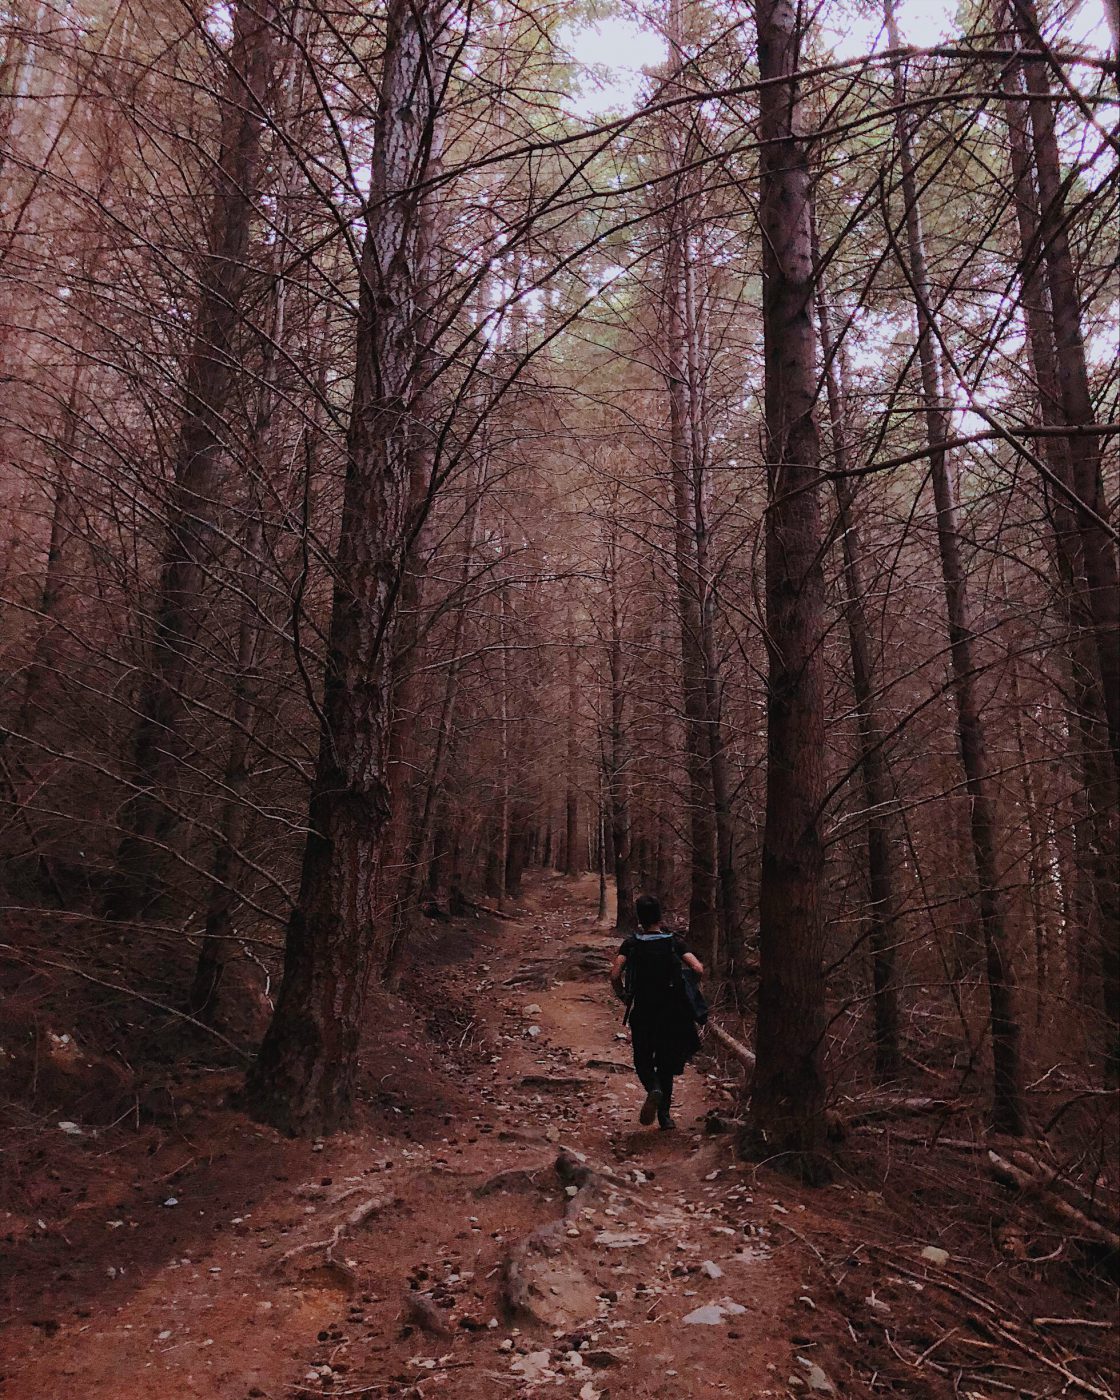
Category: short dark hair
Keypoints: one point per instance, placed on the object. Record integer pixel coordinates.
(648, 910)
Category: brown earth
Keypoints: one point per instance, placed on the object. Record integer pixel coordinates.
(500, 1225)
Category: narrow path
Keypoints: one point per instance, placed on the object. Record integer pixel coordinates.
(381, 1264)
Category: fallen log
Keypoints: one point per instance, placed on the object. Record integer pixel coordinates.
(891, 1108)
(1044, 1184)
(924, 1140)
(1058, 1175)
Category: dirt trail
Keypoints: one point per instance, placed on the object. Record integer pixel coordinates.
(379, 1262)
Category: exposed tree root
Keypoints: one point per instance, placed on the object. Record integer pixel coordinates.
(303, 1254)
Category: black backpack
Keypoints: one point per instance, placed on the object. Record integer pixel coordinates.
(656, 971)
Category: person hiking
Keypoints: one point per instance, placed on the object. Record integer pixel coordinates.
(648, 974)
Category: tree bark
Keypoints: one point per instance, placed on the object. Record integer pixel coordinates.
(618, 759)
(1092, 638)
(149, 817)
(872, 760)
(1007, 1102)
(204, 1000)
(703, 921)
(303, 1079)
(788, 1095)
(1103, 594)
(572, 864)
(415, 878)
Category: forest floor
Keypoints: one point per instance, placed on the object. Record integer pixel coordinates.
(500, 1225)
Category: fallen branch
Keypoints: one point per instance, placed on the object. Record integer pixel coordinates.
(21, 955)
(1070, 1377)
(1074, 1322)
(733, 1046)
(490, 909)
(996, 1327)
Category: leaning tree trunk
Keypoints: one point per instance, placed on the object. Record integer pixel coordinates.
(872, 760)
(303, 1079)
(149, 816)
(1007, 1102)
(1091, 751)
(788, 1096)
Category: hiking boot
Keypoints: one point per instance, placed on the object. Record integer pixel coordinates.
(650, 1108)
(665, 1123)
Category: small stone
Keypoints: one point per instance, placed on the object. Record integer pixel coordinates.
(934, 1254)
(711, 1269)
(815, 1378)
(534, 1366)
(618, 1239)
(712, 1314)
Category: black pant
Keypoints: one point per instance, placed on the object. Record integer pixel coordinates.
(649, 1061)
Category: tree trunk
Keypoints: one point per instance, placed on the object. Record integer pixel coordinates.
(1092, 639)
(1007, 1104)
(205, 996)
(703, 925)
(729, 909)
(788, 1094)
(872, 760)
(1073, 376)
(1037, 876)
(304, 1075)
(618, 786)
(216, 944)
(602, 916)
(149, 816)
(503, 751)
(415, 877)
(572, 863)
